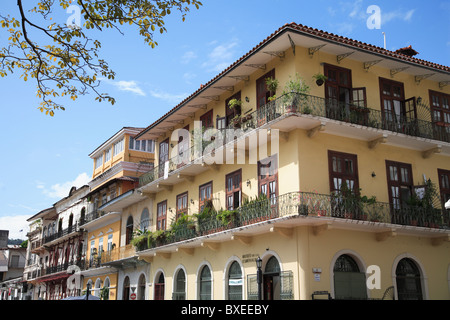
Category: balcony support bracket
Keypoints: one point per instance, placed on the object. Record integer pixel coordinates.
(246, 240)
(382, 236)
(164, 187)
(440, 240)
(186, 177)
(188, 251)
(312, 132)
(285, 232)
(165, 255)
(146, 259)
(427, 153)
(374, 143)
(318, 229)
(214, 246)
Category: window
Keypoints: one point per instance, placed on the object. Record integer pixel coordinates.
(110, 242)
(235, 282)
(233, 190)
(100, 246)
(207, 120)
(205, 192)
(349, 282)
(343, 168)
(183, 147)
(145, 220)
(400, 183)
(93, 248)
(142, 145)
(180, 286)
(268, 178)
(118, 147)
(161, 215)
(141, 288)
(396, 111)
(408, 280)
(107, 155)
(163, 155)
(444, 187)
(98, 161)
(440, 110)
(129, 230)
(126, 289)
(159, 288)
(182, 205)
(230, 113)
(205, 284)
(262, 92)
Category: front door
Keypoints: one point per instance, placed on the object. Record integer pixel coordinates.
(163, 155)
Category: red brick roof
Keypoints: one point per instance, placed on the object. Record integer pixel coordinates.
(315, 33)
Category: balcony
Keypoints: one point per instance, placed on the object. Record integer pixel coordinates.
(343, 119)
(300, 208)
(61, 233)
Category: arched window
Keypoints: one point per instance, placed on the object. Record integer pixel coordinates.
(205, 283)
(60, 226)
(349, 282)
(98, 284)
(83, 216)
(159, 288)
(70, 222)
(145, 220)
(141, 288)
(104, 294)
(129, 230)
(126, 289)
(408, 279)
(180, 286)
(235, 282)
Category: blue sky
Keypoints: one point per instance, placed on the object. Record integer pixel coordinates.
(42, 157)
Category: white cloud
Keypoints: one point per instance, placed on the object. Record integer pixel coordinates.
(17, 226)
(130, 86)
(220, 57)
(188, 57)
(168, 97)
(61, 190)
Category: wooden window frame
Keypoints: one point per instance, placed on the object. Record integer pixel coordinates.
(269, 178)
(184, 210)
(343, 176)
(444, 191)
(161, 217)
(440, 108)
(207, 120)
(200, 201)
(232, 192)
(391, 183)
(262, 92)
(231, 113)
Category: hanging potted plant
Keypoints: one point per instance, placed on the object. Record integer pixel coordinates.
(320, 79)
(272, 85)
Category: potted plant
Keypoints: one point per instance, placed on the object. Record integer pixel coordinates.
(226, 217)
(294, 91)
(320, 79)
(272, 86)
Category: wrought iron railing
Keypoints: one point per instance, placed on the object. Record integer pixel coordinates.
(61, 233)
(297, 103)
(301, 204)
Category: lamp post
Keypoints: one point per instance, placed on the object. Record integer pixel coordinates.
(87, 290)
(259, 276)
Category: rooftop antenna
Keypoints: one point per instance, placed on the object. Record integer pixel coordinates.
(384, 36)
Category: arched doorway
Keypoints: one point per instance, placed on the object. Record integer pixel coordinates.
(159, 288)
(129, 230)
(235, 282)
(271, 280)
(141, 288)
(409, 284)
(126, 289)
(349, 281)
(180, 286)
(205, 283)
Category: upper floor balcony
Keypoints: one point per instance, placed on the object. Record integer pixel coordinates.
(314, 114)
(62, 234)
(295, 209)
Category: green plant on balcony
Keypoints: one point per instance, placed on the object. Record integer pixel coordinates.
(272, 86)
(295, 90)
(253, 210)
(140, 239)
(424, 206)
(320, 78)
(226, 217)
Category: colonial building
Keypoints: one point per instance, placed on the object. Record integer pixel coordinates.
(118, 163)
(334, 186)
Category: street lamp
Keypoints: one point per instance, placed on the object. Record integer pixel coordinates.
(259, 276)
(87, 290)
